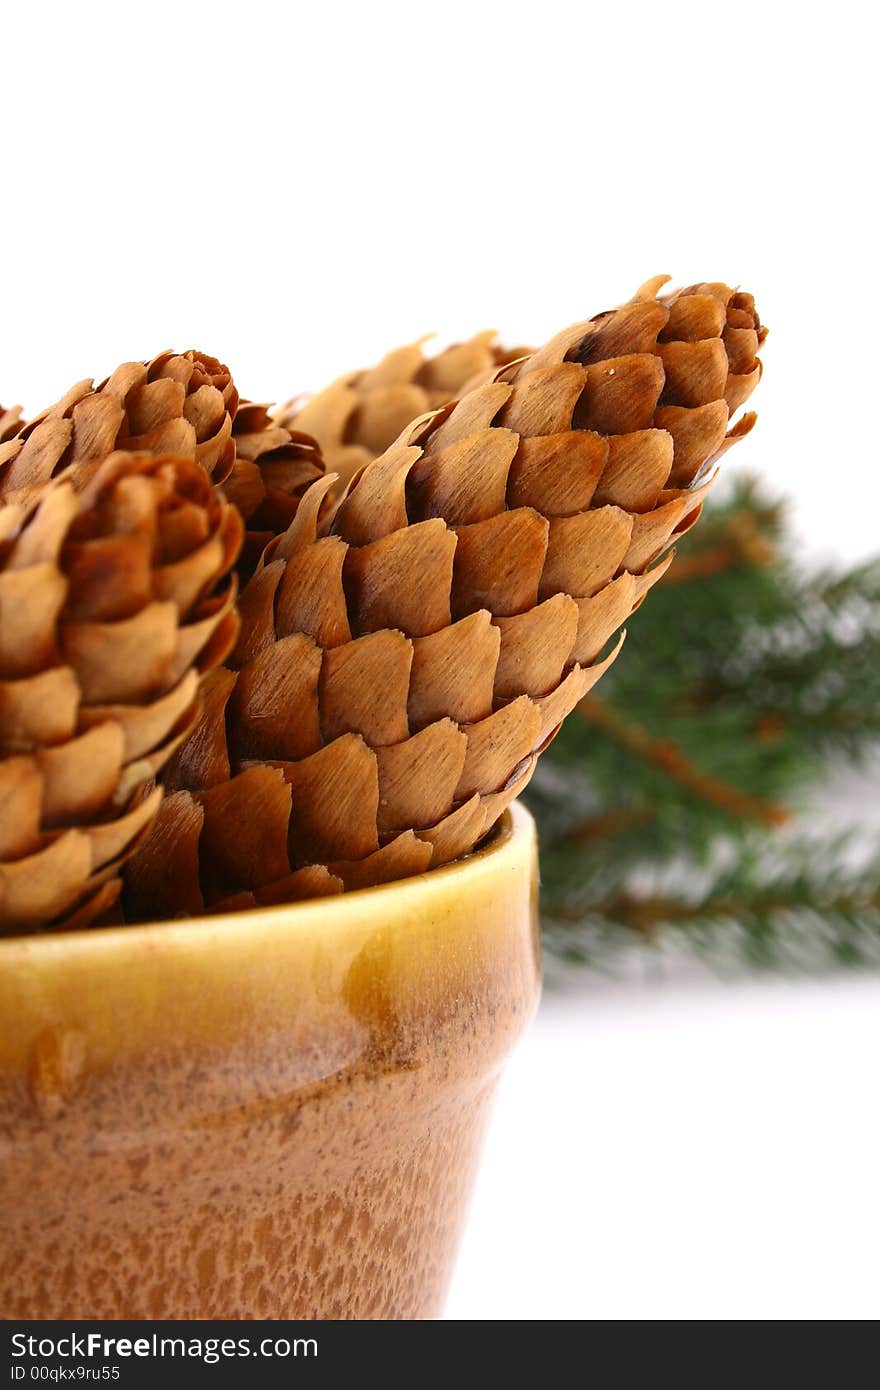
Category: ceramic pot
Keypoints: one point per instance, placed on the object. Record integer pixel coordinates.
(271, 1114)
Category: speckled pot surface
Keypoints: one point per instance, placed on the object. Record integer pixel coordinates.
(273, 1114)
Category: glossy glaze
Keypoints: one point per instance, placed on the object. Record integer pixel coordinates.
(274, 1114)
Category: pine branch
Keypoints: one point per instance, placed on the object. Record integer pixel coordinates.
(742, 542)
(802, 904)
(753, 675)
(672, 760)
(816, 670)
(600, 827)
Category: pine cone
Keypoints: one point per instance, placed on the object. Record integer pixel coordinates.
(402, 665)
(109, 608)
(10, 422)
(360, 415)
(185, 404)
(176, 404)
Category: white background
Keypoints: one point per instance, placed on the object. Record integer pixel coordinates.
(683, 1150)
(297, 188)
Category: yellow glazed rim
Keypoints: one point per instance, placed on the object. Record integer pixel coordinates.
(513, 836)
(215, 978)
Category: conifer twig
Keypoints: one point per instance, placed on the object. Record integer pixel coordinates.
(608, 823)
(672, 760)
(742, 543)
(807, 905)
(646, 914)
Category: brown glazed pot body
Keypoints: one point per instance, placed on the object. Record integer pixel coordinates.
(274, 1114)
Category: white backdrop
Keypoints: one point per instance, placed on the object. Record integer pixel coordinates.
(686, 1150)
(295, 189)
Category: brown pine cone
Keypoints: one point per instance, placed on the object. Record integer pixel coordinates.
(181, 404)
(361, 414)
(110, 606)
(402, 664)
(185, 404)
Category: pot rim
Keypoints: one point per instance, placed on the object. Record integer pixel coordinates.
(512, 837)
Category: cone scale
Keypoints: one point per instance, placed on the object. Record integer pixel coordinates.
(10, 422)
